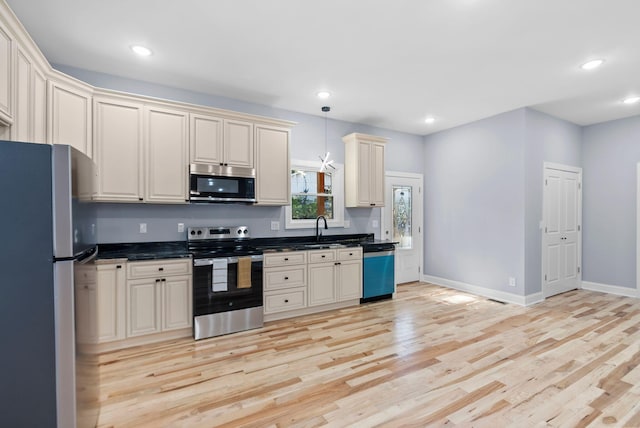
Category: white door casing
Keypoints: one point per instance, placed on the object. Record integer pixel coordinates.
(408, 254)
(638, 232)
(562, 224)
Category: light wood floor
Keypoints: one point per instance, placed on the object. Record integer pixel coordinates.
(431, 357)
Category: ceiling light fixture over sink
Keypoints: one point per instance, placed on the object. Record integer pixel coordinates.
(326, 163)
(141, 50)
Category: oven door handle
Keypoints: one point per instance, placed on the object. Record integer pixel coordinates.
(230, 260)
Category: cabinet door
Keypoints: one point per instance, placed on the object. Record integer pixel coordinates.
(349, 283)
(238, 143)
(23, 119)
(39, 106)
(69, 115)
(110, 303)
(206, 139)
(177, 308)
(118, 150)
(322, 284)
(273, 185)
(144, 305)
(6, 74)
(85, 312)
(167, 145)
(377, 175)
(364, 174)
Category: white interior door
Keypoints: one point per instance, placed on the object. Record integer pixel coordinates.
(562, 243)
(402, 223)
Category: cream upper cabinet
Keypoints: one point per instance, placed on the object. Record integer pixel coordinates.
(238, 143)
(6, 76)
(30, 118)
(273, 168)
(69, 113)
(118, 145)
(206, 139)
(364, 170)
(167, 142)
(218, 141)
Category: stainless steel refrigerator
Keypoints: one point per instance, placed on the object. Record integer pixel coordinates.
(47, 228)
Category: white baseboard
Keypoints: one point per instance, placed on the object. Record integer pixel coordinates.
(485, 292)
(611, 289)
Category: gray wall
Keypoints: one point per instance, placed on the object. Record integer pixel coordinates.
(474, 203)
(120, 222)
(547, 139)
(611, 151)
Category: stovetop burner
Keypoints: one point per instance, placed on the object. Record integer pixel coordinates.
(225, 241)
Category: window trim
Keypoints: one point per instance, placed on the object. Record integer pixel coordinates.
(337, 183)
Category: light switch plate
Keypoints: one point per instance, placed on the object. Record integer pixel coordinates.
(180, 227)
(143, 227)
(275, 225)
(375, 223)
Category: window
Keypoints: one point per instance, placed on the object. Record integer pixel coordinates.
(315, 193)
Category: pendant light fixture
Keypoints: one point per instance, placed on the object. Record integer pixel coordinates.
(326, 163)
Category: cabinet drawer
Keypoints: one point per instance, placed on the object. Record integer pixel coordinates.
(285, 258)
(354, 253)
(158, 268)
(321, 256)
(285, 277)
(285, 301)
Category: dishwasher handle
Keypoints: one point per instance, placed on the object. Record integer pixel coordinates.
(378, 254)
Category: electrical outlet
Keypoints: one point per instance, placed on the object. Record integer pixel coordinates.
(512, 281)
(143, 227)
(347, 224)
(275, 225)
(180, 227)
(374, 223)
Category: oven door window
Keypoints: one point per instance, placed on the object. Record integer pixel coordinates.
(209, 299)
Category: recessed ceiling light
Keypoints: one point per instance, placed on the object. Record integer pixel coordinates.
(430, 120)
(323, 94)
(631, 100)
(141, 50)
(590, 65)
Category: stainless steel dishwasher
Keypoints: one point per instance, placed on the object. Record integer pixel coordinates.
(378, 271)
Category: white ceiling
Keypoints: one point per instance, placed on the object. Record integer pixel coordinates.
(387, 63)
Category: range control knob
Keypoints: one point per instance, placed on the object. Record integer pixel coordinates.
(246, 231)
(239, 232)
(199, 232)
(193, 232)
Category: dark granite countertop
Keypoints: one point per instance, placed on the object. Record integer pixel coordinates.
(144, 250)
(136, 251)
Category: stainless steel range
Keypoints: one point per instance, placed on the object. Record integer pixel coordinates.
(227, 281)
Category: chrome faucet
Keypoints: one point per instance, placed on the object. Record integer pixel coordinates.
(318, 231)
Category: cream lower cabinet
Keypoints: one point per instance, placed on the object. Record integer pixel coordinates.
(273, 168)
(335, 275)
(305, 282)
(159, 296)
(100, 303)
(285, 282)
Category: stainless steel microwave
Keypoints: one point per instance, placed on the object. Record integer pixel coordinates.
(218, 183)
